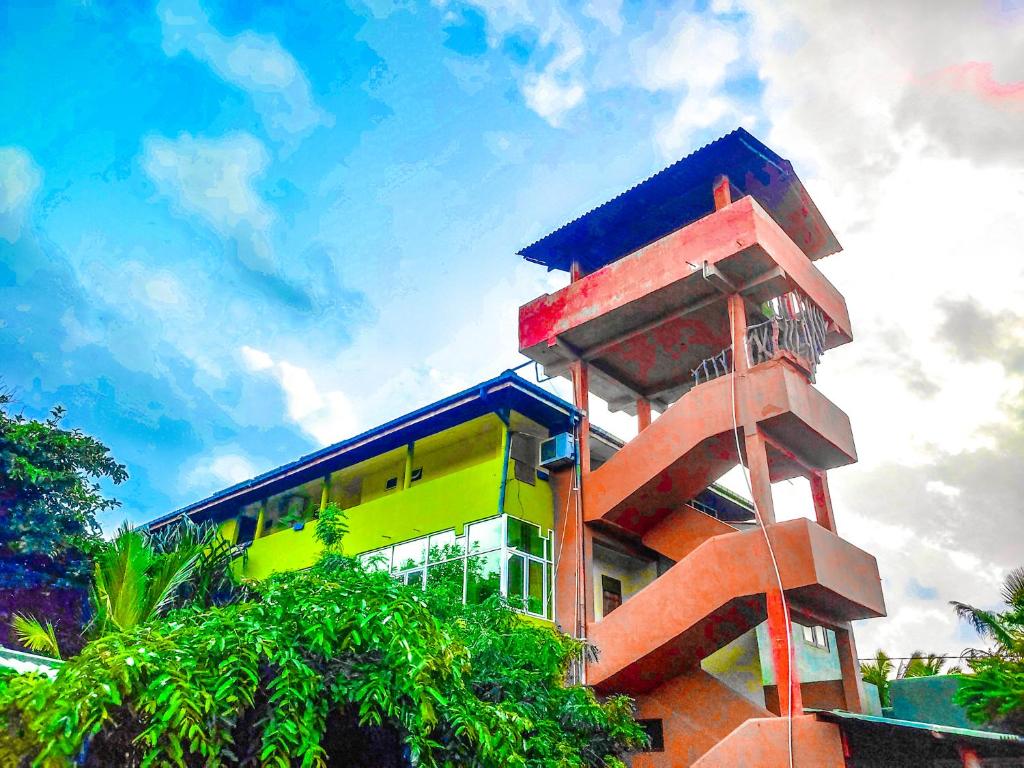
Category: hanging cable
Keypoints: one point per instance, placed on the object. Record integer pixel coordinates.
(771, 552)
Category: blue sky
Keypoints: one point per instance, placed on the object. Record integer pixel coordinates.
(233, 232)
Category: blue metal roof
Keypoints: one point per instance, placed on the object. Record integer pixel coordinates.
(681, 194)
(506, 392)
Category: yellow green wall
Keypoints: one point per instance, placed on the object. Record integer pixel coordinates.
(462, 473)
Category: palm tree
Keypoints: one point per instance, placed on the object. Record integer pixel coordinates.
(1004, 628)
(881, 671)
(993, 692)
(139, 576)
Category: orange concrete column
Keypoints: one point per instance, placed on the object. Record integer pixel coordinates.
(780, 635)
(738, 329)
(722, 192)
(760, 482)
(969, 757)
(581, 398)
(643, 414)
(822, 501)
(566, 550)
(846, 649)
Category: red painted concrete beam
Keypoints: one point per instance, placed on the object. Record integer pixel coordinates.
(716, 593)
(741, 240)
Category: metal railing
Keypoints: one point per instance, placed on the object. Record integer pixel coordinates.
(795, 325)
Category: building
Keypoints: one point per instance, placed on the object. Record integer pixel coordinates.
(715, 617)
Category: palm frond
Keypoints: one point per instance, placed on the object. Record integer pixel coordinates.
(986, 623)
(37, 637)
(1013, 588)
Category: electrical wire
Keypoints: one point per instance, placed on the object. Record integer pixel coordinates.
(771, 552)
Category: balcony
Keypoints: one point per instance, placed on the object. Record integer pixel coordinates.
(644, 322)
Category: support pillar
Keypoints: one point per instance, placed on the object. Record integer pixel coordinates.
(581, 399)
(822, 501)
(780, 634)
(760, 482)
(407, 475)
(968, 756)
(643, 413)
(325, 494)
(722, 192)
(846, 650)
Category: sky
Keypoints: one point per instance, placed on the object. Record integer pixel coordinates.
(233, 232)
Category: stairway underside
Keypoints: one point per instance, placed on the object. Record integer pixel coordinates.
(716, 593)
(693, 444)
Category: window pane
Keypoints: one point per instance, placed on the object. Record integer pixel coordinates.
(448, 576)
(525, 537)
(551, 592)
(414, 579)
(515, 580)
(535, 595)
(410, 554)
(483, 578)
(378, 560)
(442, 546)
(808, 634)
(485, 535)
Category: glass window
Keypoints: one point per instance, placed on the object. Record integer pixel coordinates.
(378, 560)
(535, 593)
(448, 574)
(525, 537)
(483, 577)
(551, 592)
(485, 535)
(808, 634)
(414, 578)
(611, 594)
(409, 555)
(442, 546)
(516, 576)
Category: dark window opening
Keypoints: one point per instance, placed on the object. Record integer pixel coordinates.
(246, 528)
(655, 732)
(391, 484)
(417, 474)
(611, 594)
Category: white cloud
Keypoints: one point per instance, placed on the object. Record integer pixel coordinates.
(219, 471)
(216, 180)
(326, 416)
(556, 88)
(258, 64)
(607, 12)
(20, 179)
(549, 98)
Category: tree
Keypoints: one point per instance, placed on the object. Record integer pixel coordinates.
(138, 577)
(993, 692)
(880, 671)
(336, 664)
(49, 499)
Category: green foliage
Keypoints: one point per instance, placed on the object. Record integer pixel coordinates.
(49, 497)
(138, 577)
(881, 671)
(331, 527)
(35, 635)
(258, 682)
(993, 692)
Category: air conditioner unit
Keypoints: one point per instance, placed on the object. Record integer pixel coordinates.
(557, 451)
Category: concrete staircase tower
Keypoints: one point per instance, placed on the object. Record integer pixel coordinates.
(695, 295)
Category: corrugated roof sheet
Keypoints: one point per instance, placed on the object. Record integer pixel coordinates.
(681, 194)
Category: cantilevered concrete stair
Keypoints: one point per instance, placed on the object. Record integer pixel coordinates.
(716, 593)
(692, 444)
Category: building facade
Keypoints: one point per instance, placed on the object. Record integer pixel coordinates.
(715, 617)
